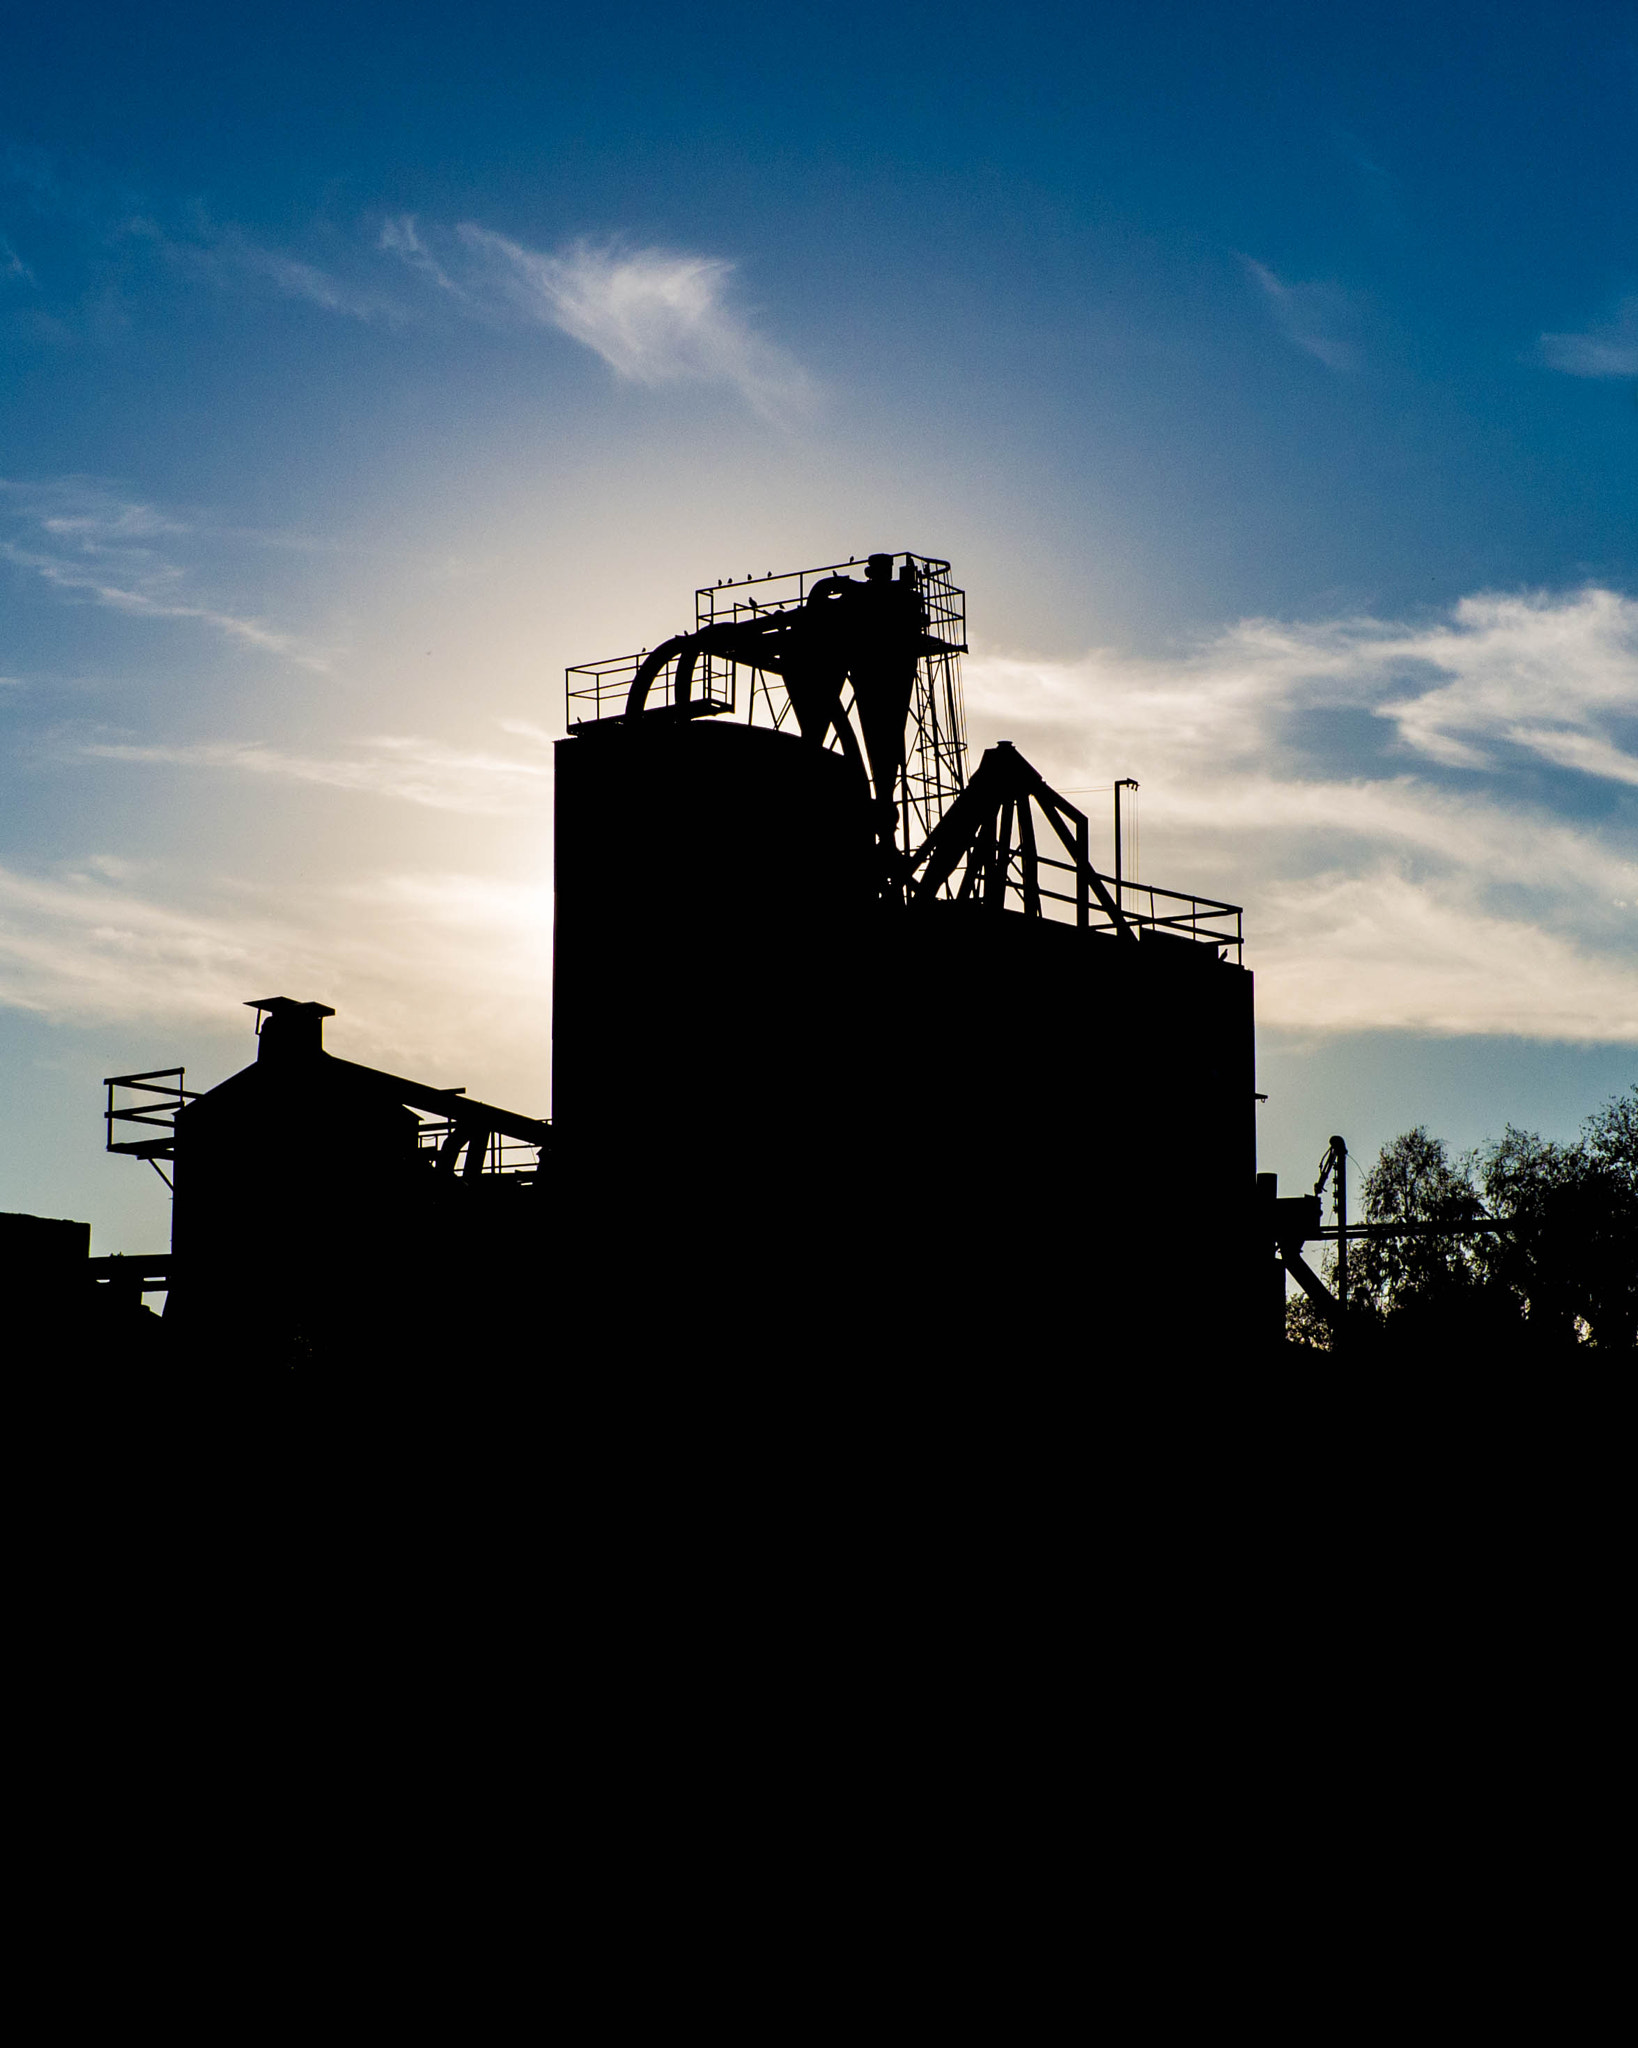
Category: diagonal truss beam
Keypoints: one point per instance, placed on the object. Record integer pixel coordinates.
(978, 827)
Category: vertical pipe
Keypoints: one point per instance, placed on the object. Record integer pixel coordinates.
(1119, 902)
(1339, 1195)
(1123, 782)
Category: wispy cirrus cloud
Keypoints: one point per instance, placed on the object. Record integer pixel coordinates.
(13, 270)
(224, 255)
(294, 278)
(1433, 825)
(1381, 796)
(401, 767)
(95, 545)
(1607, 351)
(438, 972)
(81, 947)
(655, 316)
(401, 237)
(1554, 679)
(1321, 319)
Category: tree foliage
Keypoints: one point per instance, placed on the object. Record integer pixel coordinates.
(1560, 1278)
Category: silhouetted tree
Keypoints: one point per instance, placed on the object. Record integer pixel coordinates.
(1570, 1260)
(1561, 1278)
(1427, 1291)
(1419, 1284)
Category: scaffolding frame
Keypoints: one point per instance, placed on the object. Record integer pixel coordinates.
(935, 755)
(963, 836)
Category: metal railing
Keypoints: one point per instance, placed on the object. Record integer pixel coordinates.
(598, 689)
(161, 1094)
(498, 1154)
(1173, 913)
(753, 597)
(935, 759)
(1200, 918)
(935, 753)
(989, 852)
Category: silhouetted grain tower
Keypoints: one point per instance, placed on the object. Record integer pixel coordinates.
(853, 1046)
(860, 1063)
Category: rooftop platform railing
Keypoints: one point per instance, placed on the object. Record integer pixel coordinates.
(1175, 913)
(158, 1095)
(595, 690)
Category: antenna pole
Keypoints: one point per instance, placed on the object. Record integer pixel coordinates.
(1125, 782)
(1339, 1195)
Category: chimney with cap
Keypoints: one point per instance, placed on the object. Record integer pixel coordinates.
(288, 1030)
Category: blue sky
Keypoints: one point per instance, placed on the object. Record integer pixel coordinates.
(1269, 376)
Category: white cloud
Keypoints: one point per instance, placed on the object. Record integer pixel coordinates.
(1420, 884)
(86, 512)
(120, 596)
(445, 976)
(1554, 678)
(86, 540)
(79, 947)
(1387, 951)
(655, 316)
(296, 279)
(402, 238)
(1388, 800)
(230, 259)
(1610, 351)
(412, 770)
(1319, 318)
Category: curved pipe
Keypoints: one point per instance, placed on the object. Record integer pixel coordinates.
(687, 647)
(680, 643)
